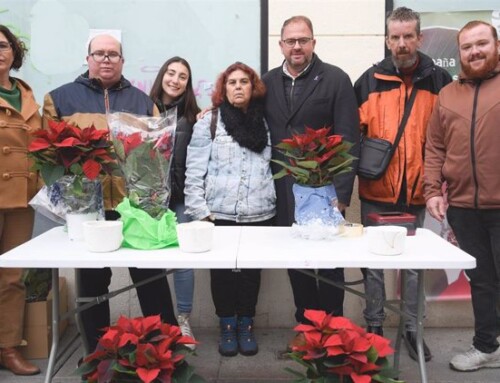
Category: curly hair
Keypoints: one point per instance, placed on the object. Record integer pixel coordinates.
(219, 94)
(191, 107)
(404, 14)
(18, 47)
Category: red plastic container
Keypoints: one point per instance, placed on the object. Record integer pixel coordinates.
(395, 218)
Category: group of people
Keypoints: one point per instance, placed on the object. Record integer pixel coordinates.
(222, 171)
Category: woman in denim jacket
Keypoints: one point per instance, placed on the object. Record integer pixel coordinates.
(229, 181)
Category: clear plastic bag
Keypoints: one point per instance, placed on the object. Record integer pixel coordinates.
(55, 201)
(144, 149)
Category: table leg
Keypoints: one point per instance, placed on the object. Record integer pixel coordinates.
(402, 317)
(78, 318)
(420, 326)
(55, 326)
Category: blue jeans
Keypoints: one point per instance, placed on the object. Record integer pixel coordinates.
(374, 279)
(478, 233)
(183, 278)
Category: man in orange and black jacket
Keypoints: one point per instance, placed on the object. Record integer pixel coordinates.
(382, 92)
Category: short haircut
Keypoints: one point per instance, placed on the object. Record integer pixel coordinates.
(297, 19)
(18, 47)
(475, 23)
(219, 94)
(90, 43)
(404, 14)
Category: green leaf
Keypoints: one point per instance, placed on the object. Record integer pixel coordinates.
(184, 373)
(385, 379)
(308, 164)
(301, 378)
(295, 170)
(282, 173)
(341, 165)
(76, 169)
(86, 368)
(51, 174)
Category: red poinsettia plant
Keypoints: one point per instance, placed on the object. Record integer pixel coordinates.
(335, 350)
(65, 149)
(314, 157)
(140, 350)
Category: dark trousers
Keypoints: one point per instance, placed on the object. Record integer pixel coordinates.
(154, 299)
(478, 233)
(317, 295)
(235, 292)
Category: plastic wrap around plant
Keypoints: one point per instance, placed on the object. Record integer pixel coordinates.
(69, 194)
(143, 147)
(316, 212)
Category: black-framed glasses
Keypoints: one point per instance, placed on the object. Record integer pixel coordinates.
(99, 56)
(5, 46)
(290, 43)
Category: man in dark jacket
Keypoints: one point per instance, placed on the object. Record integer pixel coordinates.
(305, 92)
(383, 92)
(84, 102)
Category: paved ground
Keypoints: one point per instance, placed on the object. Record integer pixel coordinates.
(268, 366)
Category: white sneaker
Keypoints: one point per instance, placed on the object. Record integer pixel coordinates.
(473, 360)
(183, 320)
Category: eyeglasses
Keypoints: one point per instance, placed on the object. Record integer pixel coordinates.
(4, 46)
(99, 57)
(290, 43)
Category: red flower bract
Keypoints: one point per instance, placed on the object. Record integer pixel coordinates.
(143, 347)
(65, 149)
(334, 346)
(314, 157)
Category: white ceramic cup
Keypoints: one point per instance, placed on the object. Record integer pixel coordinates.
(103, 236)
(386, 240)
(196, 236)
(74, 224)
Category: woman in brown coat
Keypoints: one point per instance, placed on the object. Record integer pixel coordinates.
(18, 117)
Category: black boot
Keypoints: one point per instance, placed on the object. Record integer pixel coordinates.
(375, 330)
(410, 338)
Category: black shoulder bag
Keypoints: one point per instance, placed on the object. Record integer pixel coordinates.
(376, 153)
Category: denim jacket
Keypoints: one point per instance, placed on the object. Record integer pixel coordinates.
(226, 180)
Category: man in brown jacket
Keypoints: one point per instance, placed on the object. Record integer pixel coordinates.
(462, 149)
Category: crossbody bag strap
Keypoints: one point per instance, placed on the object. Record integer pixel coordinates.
(213, 122)
(406, 114)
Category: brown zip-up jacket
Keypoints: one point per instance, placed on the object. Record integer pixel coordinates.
(18, 183)
(463, 143)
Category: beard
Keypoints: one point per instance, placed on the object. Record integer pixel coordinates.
(482, 72)
(408, 62)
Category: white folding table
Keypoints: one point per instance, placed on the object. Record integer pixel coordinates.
(243, 247)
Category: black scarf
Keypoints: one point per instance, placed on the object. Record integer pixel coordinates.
(179, 103)
(247, 129)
